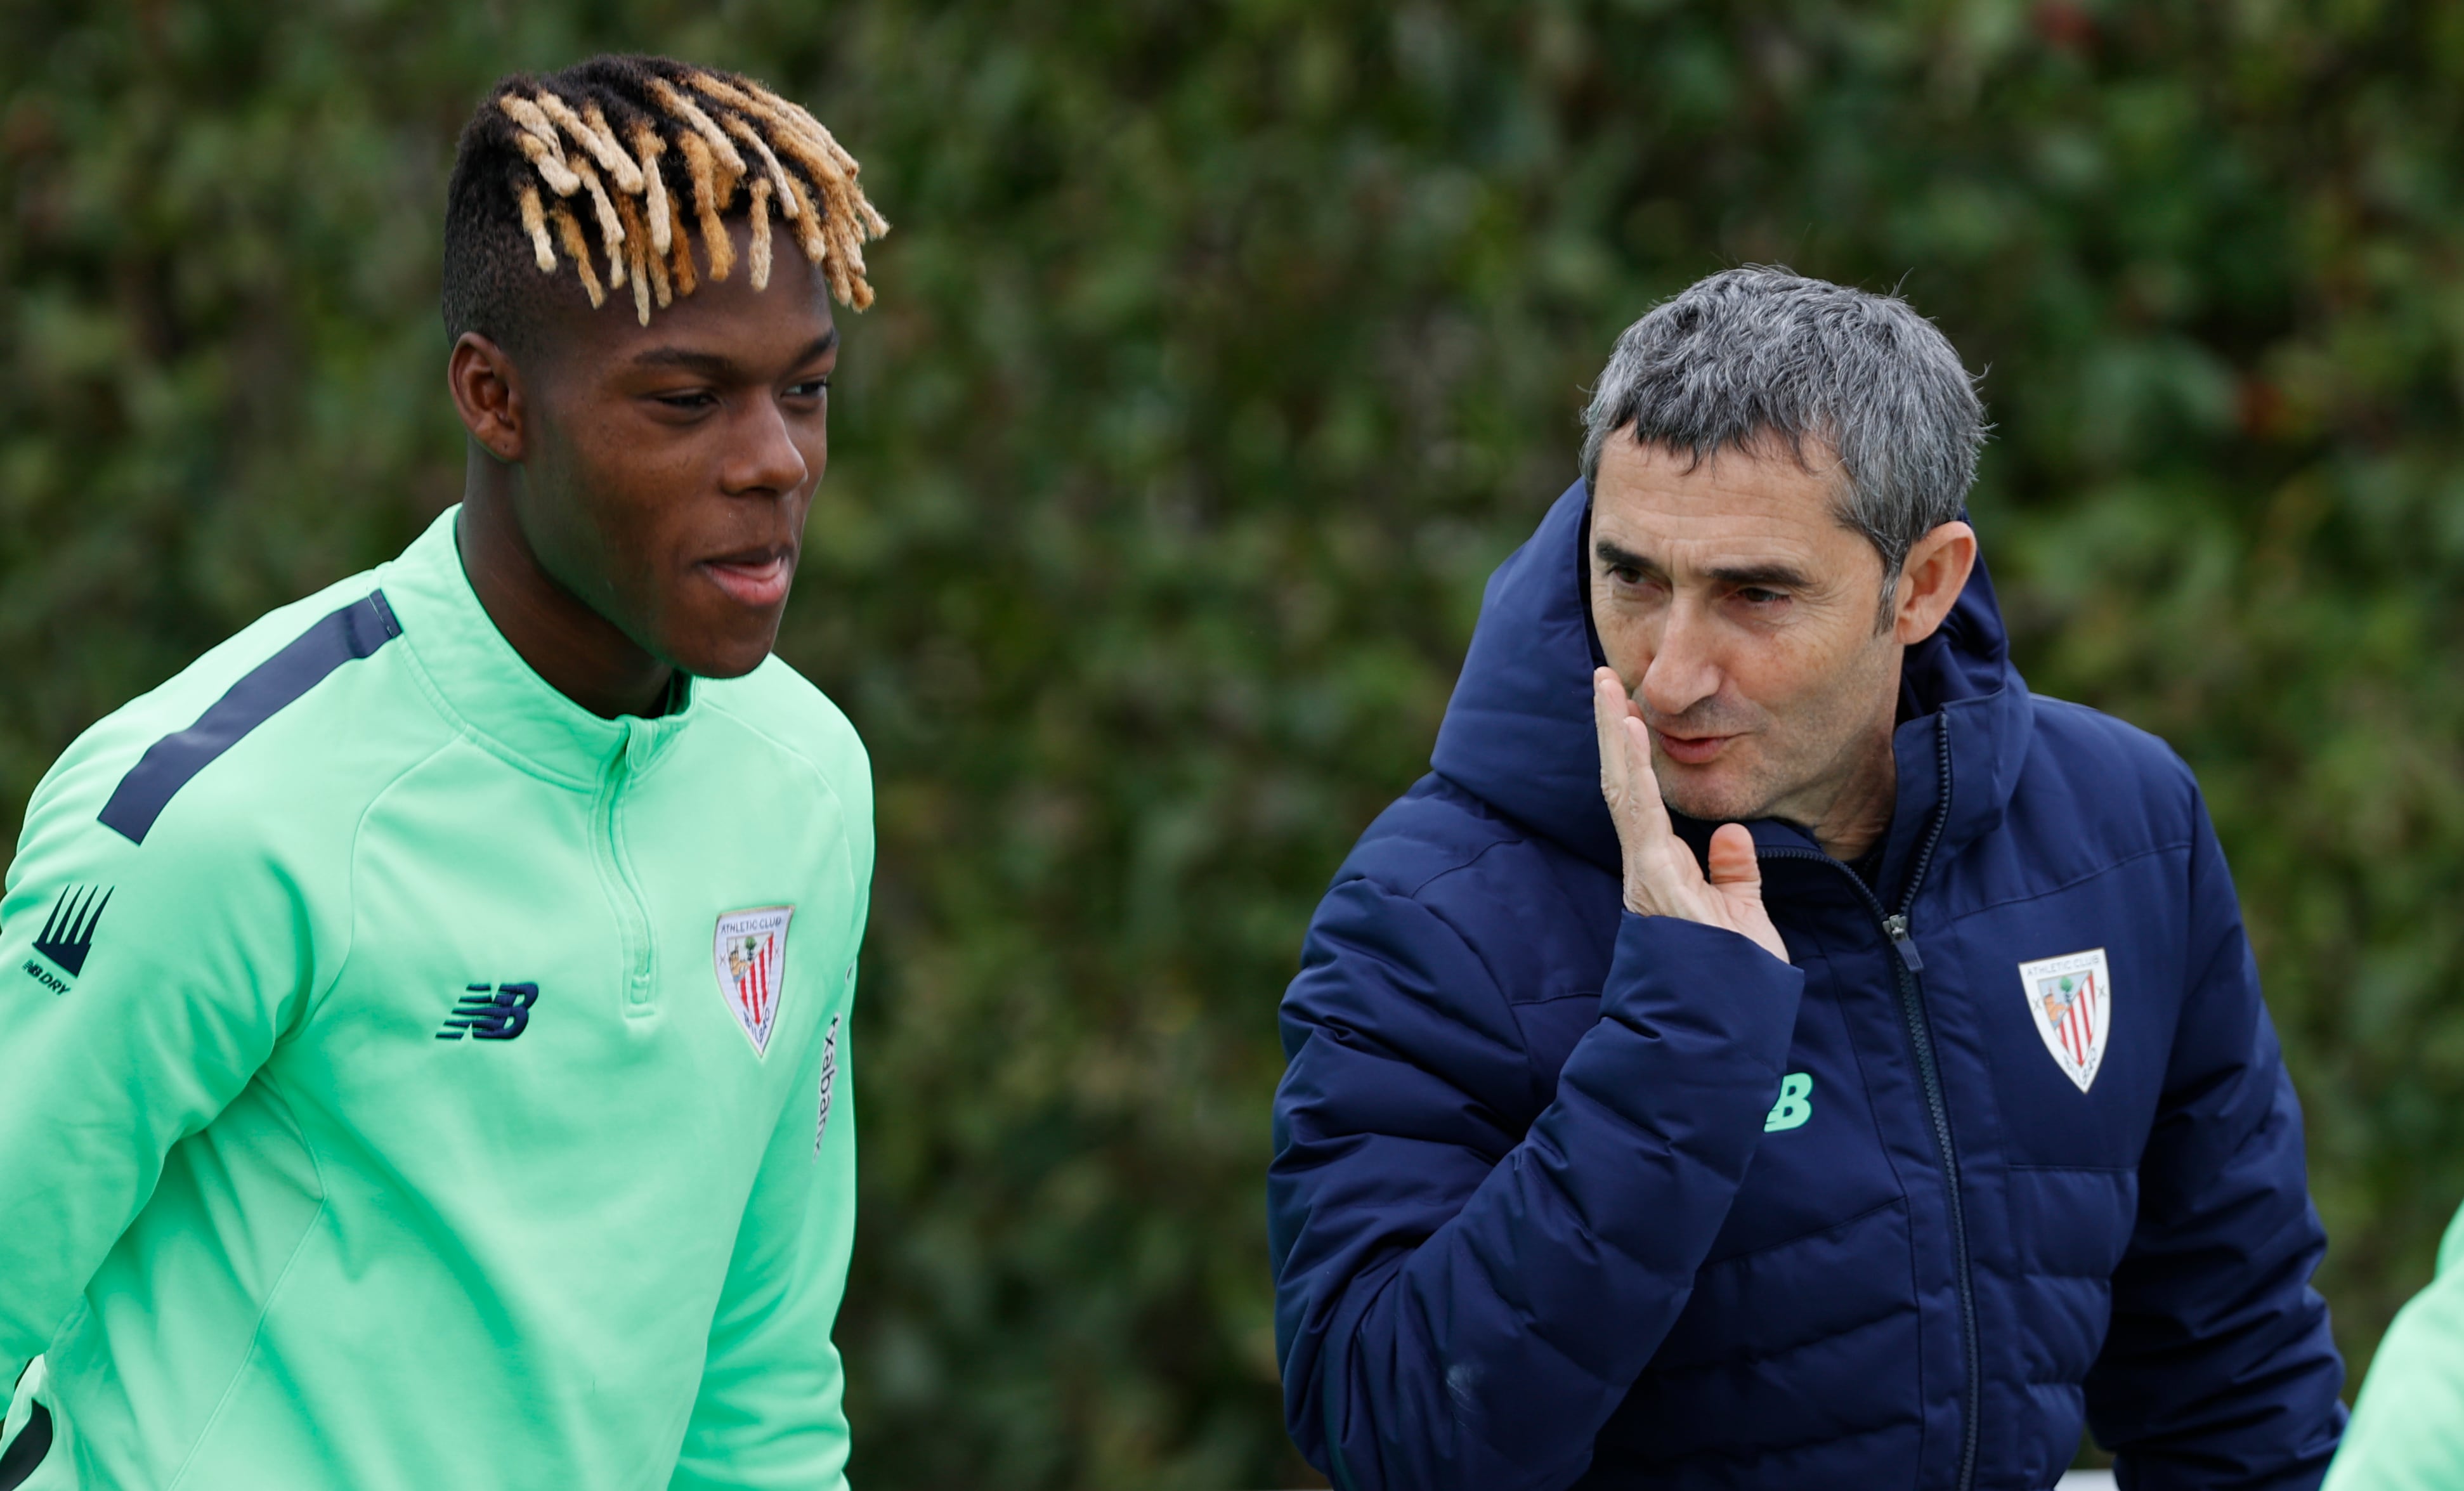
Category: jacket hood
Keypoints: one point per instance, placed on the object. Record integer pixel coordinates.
(1518, 733)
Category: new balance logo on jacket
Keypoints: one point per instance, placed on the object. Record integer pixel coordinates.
(1566, 1197)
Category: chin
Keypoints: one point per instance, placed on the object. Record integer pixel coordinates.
(729, 659)
(1710, 801)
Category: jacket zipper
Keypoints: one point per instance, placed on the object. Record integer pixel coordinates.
(1908, 965)
(626, 890)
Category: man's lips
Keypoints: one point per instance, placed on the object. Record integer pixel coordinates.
(1694, 751)
(758, 579)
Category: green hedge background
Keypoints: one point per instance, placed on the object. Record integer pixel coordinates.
(1223, 345)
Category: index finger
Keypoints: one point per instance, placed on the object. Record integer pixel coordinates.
(1625, 762)
(1636, 741)
(1607, 712)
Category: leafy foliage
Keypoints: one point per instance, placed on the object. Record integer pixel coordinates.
(1221, 349)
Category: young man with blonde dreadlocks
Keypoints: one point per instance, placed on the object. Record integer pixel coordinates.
(423, 1037)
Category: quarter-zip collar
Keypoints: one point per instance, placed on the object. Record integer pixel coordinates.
(475, 675)
(1519, 735)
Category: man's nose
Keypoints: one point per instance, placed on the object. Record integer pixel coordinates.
(766, 461)
(1682, 672)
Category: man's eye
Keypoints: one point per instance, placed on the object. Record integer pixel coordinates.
(809, 388)
(1756, 595)
(1625, 575)
(695, 399)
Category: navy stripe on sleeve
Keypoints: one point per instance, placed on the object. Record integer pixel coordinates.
(25, 1454)
(355, 631)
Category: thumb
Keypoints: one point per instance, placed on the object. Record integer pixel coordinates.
(1733, 866)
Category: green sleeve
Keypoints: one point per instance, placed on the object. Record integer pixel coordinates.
(141, 988)
(2408, 1428)
(770, 1411)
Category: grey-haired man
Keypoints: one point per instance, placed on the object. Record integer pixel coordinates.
(1773, 1047)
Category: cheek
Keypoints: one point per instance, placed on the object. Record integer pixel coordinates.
(1795, 674)
(636, 523)
(1627, 637)
(1823, 690)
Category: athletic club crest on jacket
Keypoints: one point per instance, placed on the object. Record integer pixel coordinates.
(2072, 998)
(751, 955)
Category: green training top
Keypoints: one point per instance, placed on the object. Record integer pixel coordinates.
(2408, 1428)
(410, 1079)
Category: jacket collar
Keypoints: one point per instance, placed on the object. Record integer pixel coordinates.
(484, 686)
(1518, 733)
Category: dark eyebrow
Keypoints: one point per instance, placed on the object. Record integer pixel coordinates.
(1773, 577)
(1769, 577)
(720, 367)
(1617, 556)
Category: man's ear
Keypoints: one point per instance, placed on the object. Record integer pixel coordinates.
(1931, 580)
(488, 394)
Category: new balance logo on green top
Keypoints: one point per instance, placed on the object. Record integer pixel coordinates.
(221, 1123)
(491, 1011)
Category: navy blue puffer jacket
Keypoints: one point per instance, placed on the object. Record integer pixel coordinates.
(1565, 1196)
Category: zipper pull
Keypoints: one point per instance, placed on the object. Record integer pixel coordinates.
(1904, 944)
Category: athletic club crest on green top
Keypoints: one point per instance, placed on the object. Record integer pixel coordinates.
(751, 964)
(2071, 998)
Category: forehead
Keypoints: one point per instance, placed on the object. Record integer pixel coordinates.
(1729, 507)
(727, 319)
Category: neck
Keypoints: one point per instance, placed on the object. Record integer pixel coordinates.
(580, 654)
(1861, 813)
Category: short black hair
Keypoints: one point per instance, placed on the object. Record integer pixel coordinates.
(632, 141)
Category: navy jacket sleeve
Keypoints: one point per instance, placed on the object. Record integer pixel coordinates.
(2218, 1370)
(1461, 1303)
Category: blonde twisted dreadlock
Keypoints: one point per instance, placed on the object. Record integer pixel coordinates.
(650, 152)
